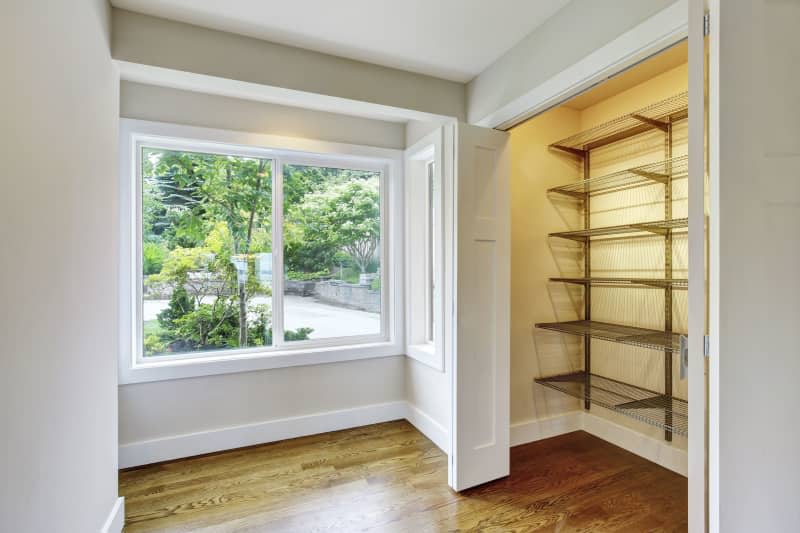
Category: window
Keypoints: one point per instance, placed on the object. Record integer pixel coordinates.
(206, 257)
(331, 243)
(430, 221)
(240, 251)
(424, 204)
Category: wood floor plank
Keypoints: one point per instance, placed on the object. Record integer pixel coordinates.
(390, 478)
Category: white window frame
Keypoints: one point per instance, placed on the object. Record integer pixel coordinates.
(420, 266)
(134, 134)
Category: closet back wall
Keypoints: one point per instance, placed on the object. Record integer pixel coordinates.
(535, 257)
(151, 414)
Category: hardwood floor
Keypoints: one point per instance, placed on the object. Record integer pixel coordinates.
(390, 478)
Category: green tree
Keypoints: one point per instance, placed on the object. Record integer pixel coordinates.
(347, 216)
(194, 193)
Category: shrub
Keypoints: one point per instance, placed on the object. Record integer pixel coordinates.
(179, 306)
(307, 276)
(153, 257)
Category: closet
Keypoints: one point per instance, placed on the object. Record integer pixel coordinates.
(599, 194)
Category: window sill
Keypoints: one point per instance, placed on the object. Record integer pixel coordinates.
(426, 354)
(198, 367)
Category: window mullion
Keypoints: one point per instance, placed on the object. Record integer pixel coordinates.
(277, 255)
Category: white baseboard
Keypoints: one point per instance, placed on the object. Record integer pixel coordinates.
(429, 427)
(174, 447)
(116, 518)
(544, 428)
(655, 450)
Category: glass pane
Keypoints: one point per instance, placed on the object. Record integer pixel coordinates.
(431, 278)
(206, 252)
(331, 238)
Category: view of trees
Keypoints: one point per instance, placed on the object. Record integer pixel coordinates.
(207, 242)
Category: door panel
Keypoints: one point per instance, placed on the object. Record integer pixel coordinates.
(480, 431)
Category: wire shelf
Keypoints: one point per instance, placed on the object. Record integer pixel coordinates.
(656, 409)
(653, 173)
(628, 282)
(658, 227)
(644, 338)
(655, 116)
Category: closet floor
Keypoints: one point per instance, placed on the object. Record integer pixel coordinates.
(390, 478)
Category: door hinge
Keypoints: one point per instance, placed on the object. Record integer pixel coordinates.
(684, 352)
(706, 23)
(706, 346)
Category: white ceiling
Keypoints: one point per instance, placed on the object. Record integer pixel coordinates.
(451, 39)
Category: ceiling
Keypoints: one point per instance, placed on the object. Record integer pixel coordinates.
(640, 73)
(450, 39)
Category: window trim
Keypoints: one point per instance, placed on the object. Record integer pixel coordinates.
(281, 150)
(417, 157)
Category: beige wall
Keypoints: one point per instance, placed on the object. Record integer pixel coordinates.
(58, 367)
(535, 257)
(533, 215)
(159, 42)
(162, 104)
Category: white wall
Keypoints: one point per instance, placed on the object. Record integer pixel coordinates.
(165, 409)
(158, 42)
(570, 35)
(755, 259)
(163, 104)
(58, 214)
(427, 391)
(168, 408)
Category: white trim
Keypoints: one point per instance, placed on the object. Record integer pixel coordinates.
(429, 427)
(116, 517)
(284, 149)
(654, 450)
(187, 445)
(664, 29)
(191, 81)
(697, 467)
(544, 428)
(417, 157)
(714, 446)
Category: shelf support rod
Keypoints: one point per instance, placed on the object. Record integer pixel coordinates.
(655, 176)
(668, 288)
(663, 126)
(587, 291)
(570, 150)
(651, 229)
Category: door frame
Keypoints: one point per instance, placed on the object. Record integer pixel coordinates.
(653, 36)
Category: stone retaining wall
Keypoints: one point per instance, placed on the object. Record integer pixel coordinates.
(350, 295)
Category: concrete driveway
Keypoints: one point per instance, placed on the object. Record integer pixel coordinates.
(327, 320)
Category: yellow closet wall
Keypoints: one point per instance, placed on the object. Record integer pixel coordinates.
(536, 257)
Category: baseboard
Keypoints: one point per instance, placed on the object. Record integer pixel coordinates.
(655, 450)
(116, 518)
(429, 427)
(174, 447)
(544, 428)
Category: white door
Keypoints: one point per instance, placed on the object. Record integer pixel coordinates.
(480, 418)
(754, 146)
